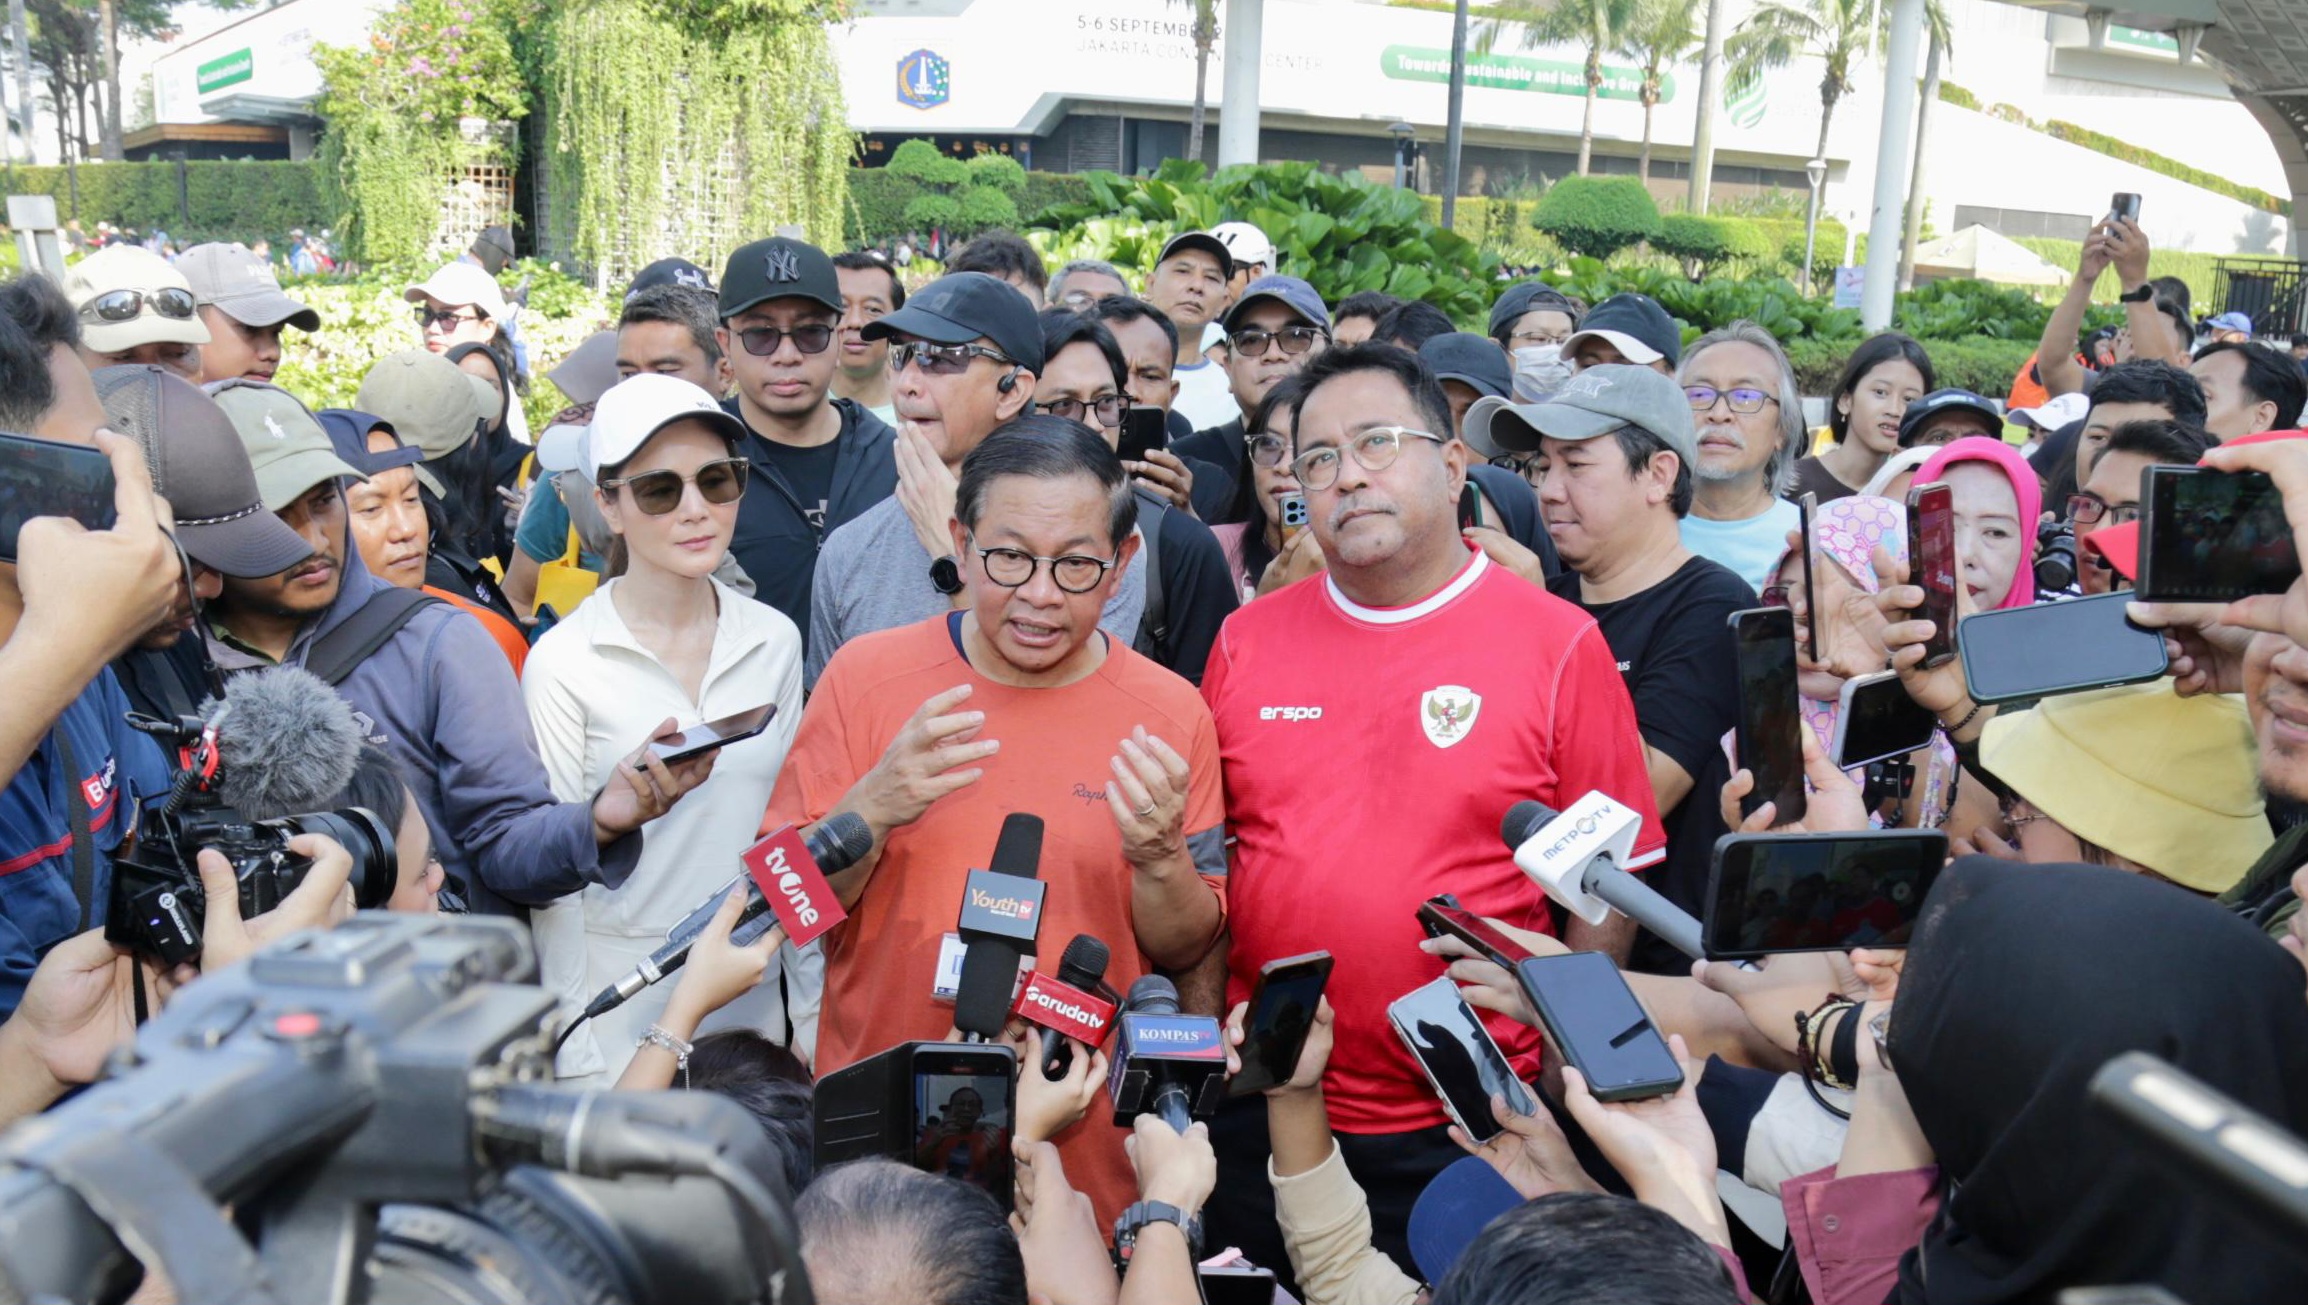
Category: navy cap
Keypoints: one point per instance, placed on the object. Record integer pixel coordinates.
(778, 268)
(349, 430)
(1289, 291)
(963, 306)
(1931, 405)
(1473, 359)
(1530, 297)
(1635, 325)
(1453, 1210)
(670, 271)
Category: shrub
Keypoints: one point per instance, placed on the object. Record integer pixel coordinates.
(996, 171)
(1981, 366)
(237, 200)
(984, 207)
(918, 160)
(1597, 216)
(1713, 243)
(930, 211)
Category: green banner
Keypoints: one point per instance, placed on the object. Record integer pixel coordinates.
(1514, 72)
(2137, 39)
(228, 70)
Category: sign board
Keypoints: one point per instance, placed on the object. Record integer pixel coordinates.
(1850, 282)
(225, 70)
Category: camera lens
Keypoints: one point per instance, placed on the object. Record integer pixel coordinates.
(376, 861)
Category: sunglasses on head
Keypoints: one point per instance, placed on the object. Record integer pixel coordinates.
(127, 305)
(659, 492)
(762, 341)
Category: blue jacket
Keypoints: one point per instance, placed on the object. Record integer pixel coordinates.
(440, 697)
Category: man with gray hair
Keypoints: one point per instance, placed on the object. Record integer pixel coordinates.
(1750, 425)
(1084, 282)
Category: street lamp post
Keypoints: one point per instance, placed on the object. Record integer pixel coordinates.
(1816, 170)
(1402, 133)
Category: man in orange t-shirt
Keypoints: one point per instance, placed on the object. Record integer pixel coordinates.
(1014, 702)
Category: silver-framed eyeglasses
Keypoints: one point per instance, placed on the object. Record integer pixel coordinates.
(1374, 449)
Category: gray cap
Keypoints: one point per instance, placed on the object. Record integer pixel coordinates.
(199, 465)
(236, 281)
(428, 401)
(1595, 402)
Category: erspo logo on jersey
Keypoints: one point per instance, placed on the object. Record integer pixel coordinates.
(1290, 713)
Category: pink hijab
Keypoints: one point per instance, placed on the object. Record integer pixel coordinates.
(2024, 487)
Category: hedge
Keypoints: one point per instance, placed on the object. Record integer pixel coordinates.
(878, 200)
(2200, 271)
(235, 200)
(1982, 366)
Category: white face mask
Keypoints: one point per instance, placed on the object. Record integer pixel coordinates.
(1540, 370)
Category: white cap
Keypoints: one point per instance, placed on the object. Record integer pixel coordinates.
(461, 285)
(2055, 412)
(641, 405)
(1246, 243)
(562, 447)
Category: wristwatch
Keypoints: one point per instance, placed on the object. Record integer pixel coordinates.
(946, 575)
(2146, 292)
(1137, 1216)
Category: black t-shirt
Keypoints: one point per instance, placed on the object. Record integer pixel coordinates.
(781, 524)
(1221, 453)
(1813, 477)
(1197, 593)
(807, 472)
(1674, 649)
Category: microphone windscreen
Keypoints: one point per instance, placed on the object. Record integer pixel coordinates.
(1018, 849)
(287, 742)
(840, 842)
(1524, 819)
(1152, 995)
(989, 976)
(1084, 961)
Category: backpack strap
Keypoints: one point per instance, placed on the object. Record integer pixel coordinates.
(334, 655)
(1154, 622)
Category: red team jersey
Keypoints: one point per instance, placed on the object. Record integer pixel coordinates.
(1369, 756)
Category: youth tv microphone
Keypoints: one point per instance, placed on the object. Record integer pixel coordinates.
(802, 899)
(1574, 855)
(1075, 1005)
(1001, 914)
(1165, 1063)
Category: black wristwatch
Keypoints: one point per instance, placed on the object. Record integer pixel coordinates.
(946, 576)
(2146, 292)
(1137, 1216)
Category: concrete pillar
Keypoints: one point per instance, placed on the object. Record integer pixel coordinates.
(1886, 219)
(1238, 82)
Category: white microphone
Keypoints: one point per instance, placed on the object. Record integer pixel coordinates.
(1574, 856)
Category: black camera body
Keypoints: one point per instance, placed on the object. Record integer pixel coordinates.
(2055, 556)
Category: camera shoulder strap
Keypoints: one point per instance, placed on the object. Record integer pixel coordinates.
(83, 841)
(1154, 624)
(334, 655)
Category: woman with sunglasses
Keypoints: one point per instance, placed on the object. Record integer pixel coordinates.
(662, 638)
(135, 308)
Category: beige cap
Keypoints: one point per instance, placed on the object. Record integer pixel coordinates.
(132, 268)
(289, 448)
(430, 401)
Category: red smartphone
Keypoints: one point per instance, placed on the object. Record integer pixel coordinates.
(1931, 564)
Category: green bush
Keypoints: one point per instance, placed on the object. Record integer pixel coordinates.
(234, 200)
(918, 160)
(1961, 309)
(983, 207)
(1714, 243)
(1981, 366)
(1597, 216)
(997, 172)
(879, 197)
(933, 211)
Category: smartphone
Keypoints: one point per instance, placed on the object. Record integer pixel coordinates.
(1876, 721)
(1459, 1058)
(1770, 717)
(2124, 204)
(1805, 508)
(42, 478)
(1931, 564)
(1235, 1284)
(2212, 536)
(1772, 893)
(1443, 915)
(1281, 1014)
(965, 1107)
(1294, 511)
(700, 739)
(1144, 429)
(1470, 506)
(2046, 648)
(1593, 1019)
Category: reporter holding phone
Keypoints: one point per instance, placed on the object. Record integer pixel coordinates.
(663, 638)
(1265, 540)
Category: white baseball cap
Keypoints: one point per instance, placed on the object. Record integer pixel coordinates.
(1246, 243)
(460, 285)
(642, 405)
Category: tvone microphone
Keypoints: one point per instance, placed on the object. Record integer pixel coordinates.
(1076, 1006)
(1165, 1063)
(1001, 914)
(837, 843)
(1574, 855)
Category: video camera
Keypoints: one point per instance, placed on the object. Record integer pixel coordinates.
(374, 1105)
(158, 903)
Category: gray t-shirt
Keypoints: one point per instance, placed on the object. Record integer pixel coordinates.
(873, 575)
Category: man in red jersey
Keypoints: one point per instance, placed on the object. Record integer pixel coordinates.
(1374, 723)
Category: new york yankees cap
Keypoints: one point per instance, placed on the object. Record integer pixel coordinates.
(778, 268)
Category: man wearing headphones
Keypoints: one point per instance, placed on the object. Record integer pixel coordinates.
(965, 353)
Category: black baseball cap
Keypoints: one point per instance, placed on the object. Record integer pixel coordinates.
(1207, 243)
(1635, 325)
(1529, 297)
(778, 268)
(1470, 358)
(1938, 401)
(963, 306)
(349, 429)
(670, 271)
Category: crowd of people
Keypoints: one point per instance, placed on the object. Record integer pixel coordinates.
(1268, 607)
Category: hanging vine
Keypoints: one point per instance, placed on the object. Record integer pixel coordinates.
(691, 126)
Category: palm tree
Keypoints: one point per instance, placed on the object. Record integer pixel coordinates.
(1599, 25)
(1205, 36)
(1779, 31)
(1662, 32)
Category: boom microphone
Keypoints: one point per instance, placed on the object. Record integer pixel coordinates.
(1166, 1063)
(837, 843)
(287, 742)
(1574, 855)
(1076, 1006)
(1001, 914)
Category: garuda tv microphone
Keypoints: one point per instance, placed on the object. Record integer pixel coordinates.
(1574, 856)
(1001, 914)
(1075, 1006)
(1165, 1063)
(785, 874)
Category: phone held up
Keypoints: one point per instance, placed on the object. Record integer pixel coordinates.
(1144, 429)
(1772, 893)
(2212, 536)
(2123, 205)
(1593, 1018)
(2018, 653)
(1931, 565)
(1769, 745)
(1458, 1056)
(1281, 1014)
(44, 478)
(698, 740)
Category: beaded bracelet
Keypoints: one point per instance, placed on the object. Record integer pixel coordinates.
(653, 1036)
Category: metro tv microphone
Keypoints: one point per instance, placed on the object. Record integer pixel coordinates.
(1001, 914)
(1574, 855)
(1166, 1063)
(1075, 1005)
(803, 902)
